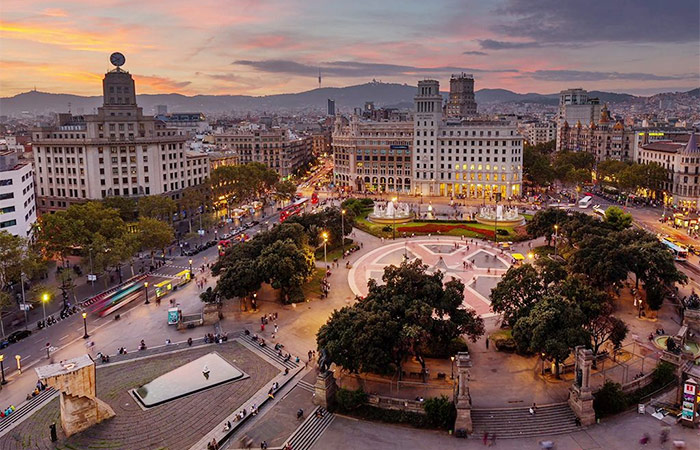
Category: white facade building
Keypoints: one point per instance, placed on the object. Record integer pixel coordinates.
(17, 201)
(540, 132)
(116, 152)
(474, 158)
(576, 107)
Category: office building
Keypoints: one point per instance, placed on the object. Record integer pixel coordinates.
(372, 156)
(536, 133)
(331, 107)
(193, 123)
(475, 158)
(116, 152)
(461, 102)
(681, 158)
(17, 201)
(576, 106)
(278, 148)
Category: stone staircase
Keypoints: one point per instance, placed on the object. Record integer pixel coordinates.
(510, 423)
(308, 387)
(268, 351)
(26, 410)
(313, 427)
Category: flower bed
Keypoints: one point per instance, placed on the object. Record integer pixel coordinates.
(444, 228)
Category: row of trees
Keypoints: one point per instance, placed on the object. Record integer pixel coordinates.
(99, 235)
(542, 166)
(413, 314)
(248, 182)
(567, 300)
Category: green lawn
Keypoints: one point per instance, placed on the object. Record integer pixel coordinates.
(312, 288)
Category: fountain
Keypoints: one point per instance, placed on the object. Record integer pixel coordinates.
(390, 213)
(505, 216)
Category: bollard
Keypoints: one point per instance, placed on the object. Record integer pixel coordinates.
(54, 437)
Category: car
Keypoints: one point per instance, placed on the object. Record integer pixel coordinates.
(18, 336)
(4, 343)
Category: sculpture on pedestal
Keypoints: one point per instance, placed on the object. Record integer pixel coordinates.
(463, 401)
(580, 393)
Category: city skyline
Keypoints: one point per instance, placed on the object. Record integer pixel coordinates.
(272, 47)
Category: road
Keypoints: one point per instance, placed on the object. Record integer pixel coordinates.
(138, 321)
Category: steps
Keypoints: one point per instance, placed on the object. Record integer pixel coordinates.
(268, 352)
(26, 409)
(306, 386)
(313, 427)
(518, 422)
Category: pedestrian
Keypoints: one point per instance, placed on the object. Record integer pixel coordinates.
(486, 438)
(276, 328)
(487, 343)
(493, 439)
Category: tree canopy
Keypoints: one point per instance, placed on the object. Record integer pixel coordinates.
(398, 319)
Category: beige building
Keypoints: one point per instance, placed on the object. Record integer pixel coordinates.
(372, 156)
(681, 158)
(278, 148)
(461, 102)
(116, 152)
(575, 106)
(536, 133)
(474, 158)
(605, 139)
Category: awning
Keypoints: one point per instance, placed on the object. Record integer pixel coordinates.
(518, 257)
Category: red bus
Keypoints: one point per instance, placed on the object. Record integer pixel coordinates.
(292, 210)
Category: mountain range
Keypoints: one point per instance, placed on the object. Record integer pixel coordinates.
(346, 98)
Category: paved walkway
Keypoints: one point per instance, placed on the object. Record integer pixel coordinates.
(619, 433)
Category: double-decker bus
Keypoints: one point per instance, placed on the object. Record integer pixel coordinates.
(292, 210)
(585, 202)
(680, 251)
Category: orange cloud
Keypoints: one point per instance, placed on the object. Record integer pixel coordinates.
(66, 35)
(54, 12)
(159, 85)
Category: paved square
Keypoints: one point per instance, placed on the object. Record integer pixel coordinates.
(178, 424)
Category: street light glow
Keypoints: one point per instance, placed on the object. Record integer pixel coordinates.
(45, 298)
(84, 315)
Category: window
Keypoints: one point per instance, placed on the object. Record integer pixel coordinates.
(7, 196)
(8, 223)
(7, 182)
(7, 209)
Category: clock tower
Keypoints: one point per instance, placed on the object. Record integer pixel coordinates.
(117, 86)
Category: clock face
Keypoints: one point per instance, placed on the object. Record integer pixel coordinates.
(117, 59)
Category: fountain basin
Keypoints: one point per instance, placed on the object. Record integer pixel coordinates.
(390, 213)
(500, 216)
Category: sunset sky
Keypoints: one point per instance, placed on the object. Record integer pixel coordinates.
(259, 47)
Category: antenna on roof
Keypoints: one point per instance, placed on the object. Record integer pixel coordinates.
(319, 78)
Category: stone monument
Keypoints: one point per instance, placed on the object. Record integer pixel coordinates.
(75, 380)
(580, 393)
(463, 400)
(325, 387)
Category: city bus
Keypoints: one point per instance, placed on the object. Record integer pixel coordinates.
(680, 251)
(585, 202)
(292, 210)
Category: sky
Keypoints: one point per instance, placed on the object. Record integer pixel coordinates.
(261, 47)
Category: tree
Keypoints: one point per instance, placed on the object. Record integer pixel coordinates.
(397, 320)
(157, 207)
(57, 234)
(285, 190)
(517, 292)
(154, 235)
(617, 219)
(606, 328)
(286, 266)
(536, 164)
(125, 205)
(551, 270)
(193, 198)
(12, 256)
(6, 303)
(329, 220)
(608, 171)
(553, 327)
(542, 223)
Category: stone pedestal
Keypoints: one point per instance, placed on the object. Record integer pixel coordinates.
(324, 389)
(75, 380)
(463, 401)
(580, 393)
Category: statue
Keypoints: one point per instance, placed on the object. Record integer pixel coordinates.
(324, 361)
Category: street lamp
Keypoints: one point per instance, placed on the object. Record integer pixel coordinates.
(342, 233)
(19, 364)
(44, 300)
(145, 288)
(556, 228)
(190, 261)
(530, 255)
(2, 369)
(393, 228)
(452, 366)
(324, 235)
(85, 336)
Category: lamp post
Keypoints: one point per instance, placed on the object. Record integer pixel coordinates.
(145, 289)
(190, 261)
(393, 228)
(2, 370)
(24, 301)
(324, 235)
(86, 335)
(44, 300)
(19, 363)
(556, 229)
(530, 255)
(452, 366)
(342, 231)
